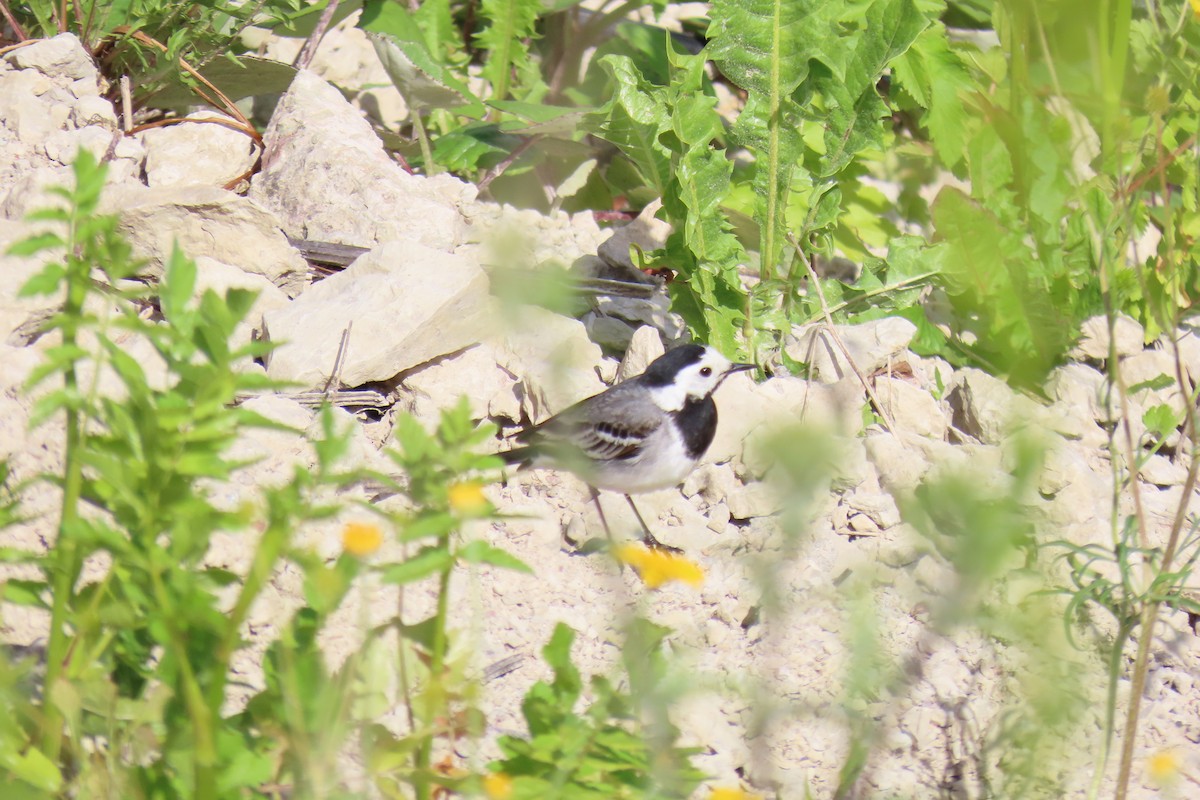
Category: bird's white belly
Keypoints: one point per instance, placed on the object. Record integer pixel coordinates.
(663, 463)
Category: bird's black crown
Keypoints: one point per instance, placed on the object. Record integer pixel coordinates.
(663, 370)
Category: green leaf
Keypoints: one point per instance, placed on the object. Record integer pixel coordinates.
(24, 593)
(424, 82)
(32, 767)
(473, 146)
(178, 283)
(512, 23)
(540, 118)
(250, 76)
(765, 47)
(557, 654)
(46, 281)
(996, 284)
(1161, 420)
(36, 244)
(427, 561)
(633, 119)
(855, 113)
(480, 552)
(936, 77)
(1156, 383)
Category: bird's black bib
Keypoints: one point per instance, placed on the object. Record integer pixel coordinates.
(697, 423)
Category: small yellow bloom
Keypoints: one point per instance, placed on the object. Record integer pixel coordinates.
(467, 499)
(731, 794)
(1196, 8)
(498, 786)
(656, 567)
(1164, 766)
(361, 538)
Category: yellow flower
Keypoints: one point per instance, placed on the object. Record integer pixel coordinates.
(731, 794)
(498, 786)
(1196, 8)
(467, 499)
(361, 538)
(656, 567)
(1164, 766)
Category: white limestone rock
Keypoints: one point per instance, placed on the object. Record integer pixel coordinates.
(1128, 337)
(871, 346)
(206, 221)
(647, 231)
(197, 151)
(645, 346)
(553, 359)
(221, 277)
(333, 181)
(988, 408)
(911, 408)
(408, 304)
(59, 57)
(472, 373)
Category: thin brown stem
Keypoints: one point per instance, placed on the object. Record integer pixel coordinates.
(888, 423)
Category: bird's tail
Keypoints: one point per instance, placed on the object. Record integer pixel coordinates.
(520, 457)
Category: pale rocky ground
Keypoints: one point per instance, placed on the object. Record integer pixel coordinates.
(763, 646)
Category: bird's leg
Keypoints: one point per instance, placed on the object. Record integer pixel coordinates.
(648, 537)
(600, 511)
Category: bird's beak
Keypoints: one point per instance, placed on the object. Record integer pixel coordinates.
(741, 367)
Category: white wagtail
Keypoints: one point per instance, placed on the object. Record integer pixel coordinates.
(642, 435)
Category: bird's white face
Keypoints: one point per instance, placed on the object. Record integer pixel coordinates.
(696, 380)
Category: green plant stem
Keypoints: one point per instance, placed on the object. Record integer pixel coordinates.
(1150, 611)
(270, 547)
(437, 662)
(66, 550)
(1110, 704)
(907, 283)
(204, 757)
(293, 709)
(1114, 18)
(423, 140)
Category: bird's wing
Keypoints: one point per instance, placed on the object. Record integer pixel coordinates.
(608, 427)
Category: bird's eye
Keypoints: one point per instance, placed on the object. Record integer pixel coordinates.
(706, 371)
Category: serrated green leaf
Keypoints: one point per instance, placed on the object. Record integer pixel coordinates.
(424, 82)
(508, 26)
(632, 120)
(765, 47)
(937, 78)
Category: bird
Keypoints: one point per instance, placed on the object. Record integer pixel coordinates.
(644, 434)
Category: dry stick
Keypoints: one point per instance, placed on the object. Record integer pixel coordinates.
(1159, 168)
(6, 50)
(222, 101)
(335, 377)
(12, 22)
(126, 105)
(224, 123)
(888, 422)
(498, 170)
(309, 51)
(1150, 612)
